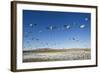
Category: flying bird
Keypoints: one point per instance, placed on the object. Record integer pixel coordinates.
(51, 28)
(86, 19)
(32, 38)
(31, 25)
(40, 31)
(46, 43)
(67, 26)
(73, 38)
(35, 24)
(82, 26)
(37, 39)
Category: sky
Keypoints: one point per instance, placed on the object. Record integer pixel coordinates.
(56, 30)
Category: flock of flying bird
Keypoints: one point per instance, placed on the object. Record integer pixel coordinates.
(55, 27)
(51, 28)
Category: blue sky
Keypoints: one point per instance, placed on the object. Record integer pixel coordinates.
(57, 30)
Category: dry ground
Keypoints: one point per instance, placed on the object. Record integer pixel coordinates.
(56, 55)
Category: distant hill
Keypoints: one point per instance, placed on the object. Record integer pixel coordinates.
(54, 50)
